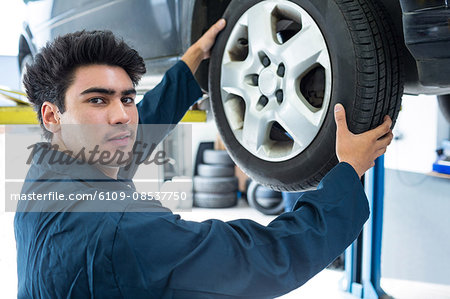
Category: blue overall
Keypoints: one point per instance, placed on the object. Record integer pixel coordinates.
(156, 254)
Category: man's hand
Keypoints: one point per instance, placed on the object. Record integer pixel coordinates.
(202, 48)
(360, 151)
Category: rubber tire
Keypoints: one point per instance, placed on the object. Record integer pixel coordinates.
(215, 200)
(217, 157)
(199, 156)
(444, 104)
(215, 185)
(208, 170)
(367, 79)
(253, 201)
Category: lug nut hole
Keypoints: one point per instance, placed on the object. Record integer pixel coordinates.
(281, 70)
(255, 80)
(265, 61)
(263, 101)
(280, 96)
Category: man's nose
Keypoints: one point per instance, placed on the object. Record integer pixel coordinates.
(118, 113)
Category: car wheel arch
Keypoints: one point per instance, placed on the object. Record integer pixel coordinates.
(24, 49)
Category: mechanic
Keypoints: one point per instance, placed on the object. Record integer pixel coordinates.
(143, 250)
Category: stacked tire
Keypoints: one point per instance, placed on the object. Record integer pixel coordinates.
(215, 186)
(265, 200)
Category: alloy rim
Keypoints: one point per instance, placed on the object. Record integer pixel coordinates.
(276, 80)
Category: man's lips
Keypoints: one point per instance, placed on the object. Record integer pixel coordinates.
(120, 136)
(121, 139)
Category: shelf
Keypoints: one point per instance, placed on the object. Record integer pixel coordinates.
(439, 175)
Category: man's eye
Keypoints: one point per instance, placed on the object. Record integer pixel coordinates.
(96, 101)
(127, 100)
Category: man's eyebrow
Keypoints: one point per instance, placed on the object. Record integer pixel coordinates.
(129, 92)
(98, 90)
(108, 91)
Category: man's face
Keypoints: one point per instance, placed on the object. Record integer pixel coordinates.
(100, 112)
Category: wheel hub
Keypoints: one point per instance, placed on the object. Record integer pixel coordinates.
(268, 82)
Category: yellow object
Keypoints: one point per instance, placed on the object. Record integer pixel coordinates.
(194, 116)
(18, 115)
(23, 113)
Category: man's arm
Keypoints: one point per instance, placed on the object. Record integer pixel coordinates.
(169, 257)
(165, 256)
(171, 98)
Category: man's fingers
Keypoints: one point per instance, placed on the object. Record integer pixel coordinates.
(384, 128)
(382, 144)
(217, 27)
(339, 116)
(206, 42)
(385, 141)
(380, 152)
(220, 24)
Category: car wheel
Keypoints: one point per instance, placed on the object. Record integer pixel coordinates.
(280, 66)
(444, 104)
(215, 200)
(215, 184)
(207, 170)
(217, 157)
(265, 200)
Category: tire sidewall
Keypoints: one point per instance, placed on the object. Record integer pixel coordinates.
(215, 184)
(215, 200)
(321, 151)
(252, 199)
(217, 170)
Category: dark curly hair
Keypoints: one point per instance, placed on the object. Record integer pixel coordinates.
(53, 69)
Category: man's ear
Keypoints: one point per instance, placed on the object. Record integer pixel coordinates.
(51, 117)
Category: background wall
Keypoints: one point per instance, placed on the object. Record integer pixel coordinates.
(11, 19)
(9, 74)
(416, 234)
(415, 135)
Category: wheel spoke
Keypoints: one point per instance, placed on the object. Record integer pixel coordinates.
(261, 28)
(233, 74)
(298, 121)
(255, 131)
(302, 51)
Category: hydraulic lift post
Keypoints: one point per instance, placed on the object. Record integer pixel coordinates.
(363, 257)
